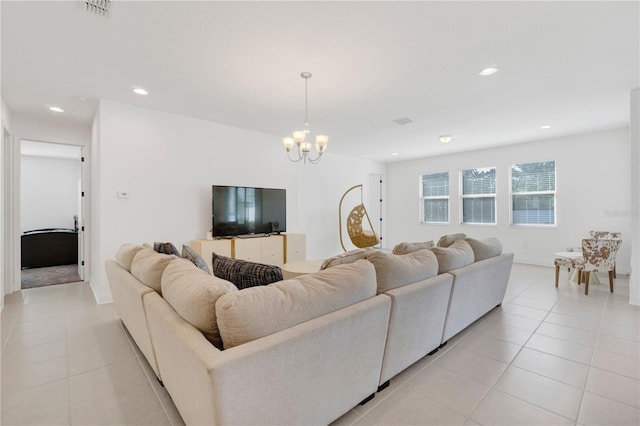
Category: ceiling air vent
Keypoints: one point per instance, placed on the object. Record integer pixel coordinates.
(402, 121)
(99, 7)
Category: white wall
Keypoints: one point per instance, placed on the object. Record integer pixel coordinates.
(48, 192)
(55, 129)
(168, 163)
(5, 190)
(634, 283)
(593, 189)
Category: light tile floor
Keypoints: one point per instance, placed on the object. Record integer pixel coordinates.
(548, 356)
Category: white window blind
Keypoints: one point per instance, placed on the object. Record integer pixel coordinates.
(479, 195)
(435, 197)
(533, 193)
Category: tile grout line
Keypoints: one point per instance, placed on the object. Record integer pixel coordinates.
(511, 365)
(146, 374)
(66, 332)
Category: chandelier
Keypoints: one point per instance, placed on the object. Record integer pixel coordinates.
(300, 136)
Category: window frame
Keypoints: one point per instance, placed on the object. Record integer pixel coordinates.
(554, 193)
(422, 199)
(463, 196)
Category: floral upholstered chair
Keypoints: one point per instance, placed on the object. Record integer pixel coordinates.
(597, 255)
(607, 235)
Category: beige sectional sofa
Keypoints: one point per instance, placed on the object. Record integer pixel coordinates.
(305, 350)
(301, 351)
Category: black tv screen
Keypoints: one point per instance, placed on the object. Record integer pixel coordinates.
(239, 210)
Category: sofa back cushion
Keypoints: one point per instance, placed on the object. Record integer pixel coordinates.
(455, 256)
(148, 266)
(256, 312)
(393, 270)
(484, 249)
(244, 274)
(346, 257)
(125, 255)
(405, 248)
(193, 293)
(447, 240)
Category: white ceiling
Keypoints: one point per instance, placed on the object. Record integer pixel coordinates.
(570, 65)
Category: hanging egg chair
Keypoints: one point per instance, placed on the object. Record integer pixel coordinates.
(359, 236)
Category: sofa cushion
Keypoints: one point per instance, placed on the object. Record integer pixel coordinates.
(455, 256)
(256, 312)
(193, 256)
(346, 257)
(244, 274)
(397, 270)
(484, 249)
(447, 240)
(405, 248)
(193, 293)
(125, 255)
(166, 248)
(148, 266)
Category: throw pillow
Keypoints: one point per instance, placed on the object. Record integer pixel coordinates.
(166, 248)
(256, 312)
(148, 266)
(455, 256)
(447, 240)
(405, 248)
(190, 254)
(192, 293)
(244, 274)
(397, 270)
(485, 249)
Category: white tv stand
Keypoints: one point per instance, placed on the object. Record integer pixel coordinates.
(274, 249)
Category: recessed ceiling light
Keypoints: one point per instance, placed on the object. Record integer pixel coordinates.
(445, 138)
(140, 91)
(55, 109)
(546, 126)
(394, 153)
(488, 71)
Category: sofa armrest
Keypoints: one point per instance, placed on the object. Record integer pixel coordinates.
(128, 294)
(416, 324)
(477, 289)
(311, 373)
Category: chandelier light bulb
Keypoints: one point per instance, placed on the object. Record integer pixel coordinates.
(299, 136)
(288, 143)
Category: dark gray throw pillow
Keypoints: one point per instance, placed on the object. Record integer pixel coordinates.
(190, 254)
(244, 274)
(166, 248)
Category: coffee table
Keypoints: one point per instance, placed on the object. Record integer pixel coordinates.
(301, 267)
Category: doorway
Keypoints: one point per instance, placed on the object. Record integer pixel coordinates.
(376, 203)
(51, 213)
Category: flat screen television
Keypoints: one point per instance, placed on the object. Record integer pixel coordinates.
(238, 210)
